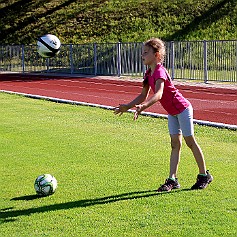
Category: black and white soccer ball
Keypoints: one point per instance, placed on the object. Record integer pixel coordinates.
(45, 185)
(48, 45)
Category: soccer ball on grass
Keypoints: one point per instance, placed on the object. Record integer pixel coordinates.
(45, 185)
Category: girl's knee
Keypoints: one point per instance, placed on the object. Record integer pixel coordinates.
(190, 141)
(176, 141)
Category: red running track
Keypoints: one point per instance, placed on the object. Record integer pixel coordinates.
(210, 104)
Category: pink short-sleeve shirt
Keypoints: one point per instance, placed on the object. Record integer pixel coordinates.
(172, 100)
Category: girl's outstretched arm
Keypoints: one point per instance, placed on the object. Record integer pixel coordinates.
(156, 97)
(139, 99)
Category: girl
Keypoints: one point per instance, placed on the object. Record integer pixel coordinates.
(180, 113)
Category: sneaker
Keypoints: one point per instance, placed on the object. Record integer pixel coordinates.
(169, 185)
(202, 181)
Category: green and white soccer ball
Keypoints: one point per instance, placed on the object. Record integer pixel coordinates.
(48, 45)
(45, 185)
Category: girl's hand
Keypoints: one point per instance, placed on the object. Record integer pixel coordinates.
(139, 109)
(121, 109)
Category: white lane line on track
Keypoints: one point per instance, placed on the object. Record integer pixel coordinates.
(219, 112)
(117, 91)
(79, 88)
(89, 85)
(62, 92)
(94, 82)
(214, 101)
(44, 82)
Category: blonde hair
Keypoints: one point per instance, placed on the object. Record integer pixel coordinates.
(157, 45)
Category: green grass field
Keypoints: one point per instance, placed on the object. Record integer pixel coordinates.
(108, 169)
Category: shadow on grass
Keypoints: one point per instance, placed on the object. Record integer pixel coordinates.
(27, 198)
(9, 214)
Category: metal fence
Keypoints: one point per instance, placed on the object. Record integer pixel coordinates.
(189, 60)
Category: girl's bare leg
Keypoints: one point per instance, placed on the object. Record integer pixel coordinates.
(176, 143)
(197, 152)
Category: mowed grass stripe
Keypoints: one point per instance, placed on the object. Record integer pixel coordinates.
(108, 169)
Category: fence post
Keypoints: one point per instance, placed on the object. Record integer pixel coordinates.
(95, 59)
(119, 59)
(23, 58)
(47, 63)
(71, 59)
(172, 60)
(205, 61)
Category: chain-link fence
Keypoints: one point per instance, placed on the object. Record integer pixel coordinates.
(189, 60)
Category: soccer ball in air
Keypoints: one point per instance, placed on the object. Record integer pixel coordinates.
(48, 45)
(45, 185)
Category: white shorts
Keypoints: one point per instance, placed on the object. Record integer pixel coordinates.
(182, 123)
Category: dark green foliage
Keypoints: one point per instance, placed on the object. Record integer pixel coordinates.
(22, 22)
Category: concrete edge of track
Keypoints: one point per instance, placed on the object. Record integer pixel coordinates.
(64, 101)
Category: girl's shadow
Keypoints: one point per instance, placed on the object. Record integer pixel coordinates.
(9, 214)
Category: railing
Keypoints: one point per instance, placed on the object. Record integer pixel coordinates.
(189, 60)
